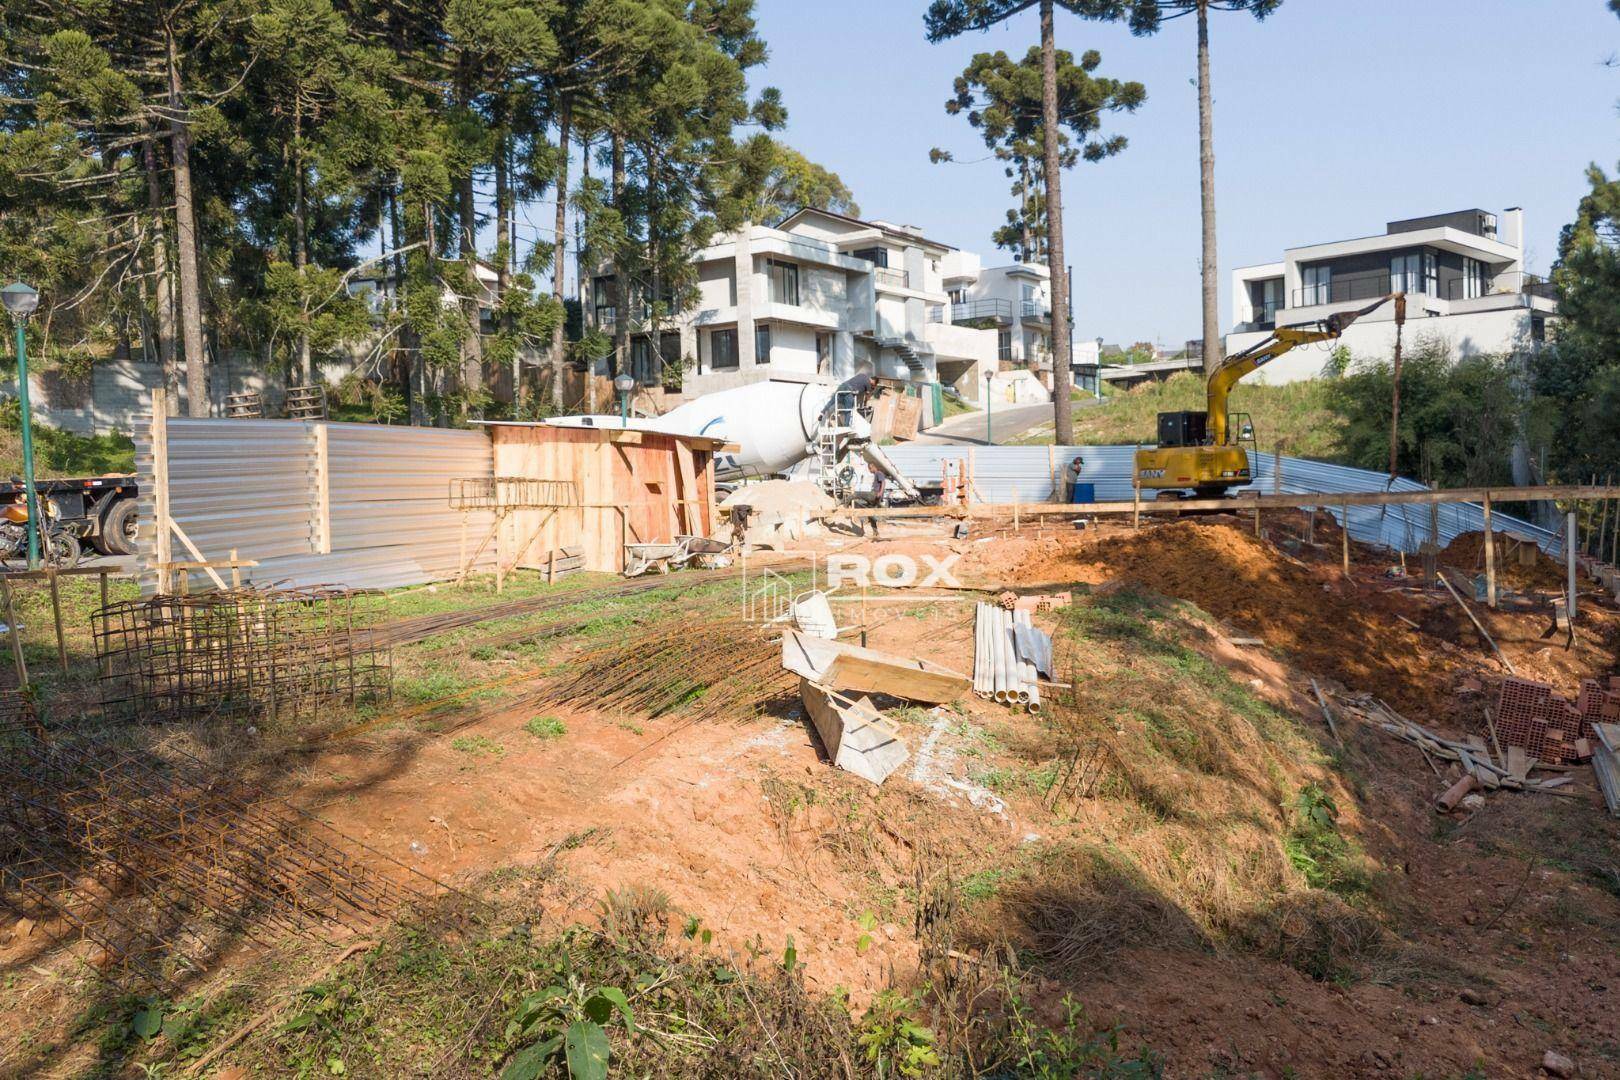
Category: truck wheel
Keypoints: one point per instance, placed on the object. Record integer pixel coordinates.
(118, 528)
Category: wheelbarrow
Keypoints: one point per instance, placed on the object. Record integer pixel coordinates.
(662, 557)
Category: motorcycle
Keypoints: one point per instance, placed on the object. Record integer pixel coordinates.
(58, 547)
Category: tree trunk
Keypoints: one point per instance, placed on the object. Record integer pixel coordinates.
(472, 352)
(559, 252)
(1206, 187)
(306, 363)
(503, 235)
(161, 273)
(622, 292)
(1063, 410)
(185, 220)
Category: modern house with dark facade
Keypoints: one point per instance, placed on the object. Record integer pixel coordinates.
(1463, 273)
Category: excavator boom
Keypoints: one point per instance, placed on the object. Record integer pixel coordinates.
(1282, 340)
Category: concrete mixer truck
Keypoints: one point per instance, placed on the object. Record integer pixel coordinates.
(780, 427)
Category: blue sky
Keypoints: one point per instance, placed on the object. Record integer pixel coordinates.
(1331, 118)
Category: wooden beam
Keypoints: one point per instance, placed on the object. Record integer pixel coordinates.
(1490, 556)
(163, 550)
(323, 494)
(1269, 502)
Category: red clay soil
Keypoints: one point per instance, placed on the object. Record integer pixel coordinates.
(1467, 553)
(1323, 623)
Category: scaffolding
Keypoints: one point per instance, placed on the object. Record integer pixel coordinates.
(504, 496)
(287, 654)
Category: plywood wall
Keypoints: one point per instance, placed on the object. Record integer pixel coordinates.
(633, 487)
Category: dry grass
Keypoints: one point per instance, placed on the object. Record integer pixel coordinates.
(1215, 822)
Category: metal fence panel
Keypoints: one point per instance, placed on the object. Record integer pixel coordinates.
(1005, 474)
(253, 486)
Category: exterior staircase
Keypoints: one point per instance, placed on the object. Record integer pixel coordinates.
(908, 351)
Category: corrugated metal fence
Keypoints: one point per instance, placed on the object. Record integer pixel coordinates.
(1005, 474)
(254, 485)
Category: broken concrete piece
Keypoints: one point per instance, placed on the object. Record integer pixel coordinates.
(813, 614)
(838, 666)
(858, 738)
(1453, 795)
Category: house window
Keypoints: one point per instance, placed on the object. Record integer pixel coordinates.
(1004, 344)
(784, 282)
(1318, 284)
(644, 366)
(1473, 280)
(762, 343)
(722, 350)
(602, 299)
(876, 256)
(1431, 273)
(957, 296)
(823, 352)
(1403, 272)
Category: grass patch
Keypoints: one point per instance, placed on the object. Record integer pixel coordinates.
(545, 727)
(477, 746)
(59, 453)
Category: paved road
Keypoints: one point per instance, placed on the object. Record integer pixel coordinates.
(1006, 422)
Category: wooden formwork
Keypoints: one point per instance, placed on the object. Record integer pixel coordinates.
(634, 487)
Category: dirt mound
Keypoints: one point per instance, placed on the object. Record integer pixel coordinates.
(1467, 552)
(1311, 615)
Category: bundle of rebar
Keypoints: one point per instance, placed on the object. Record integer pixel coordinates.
(153, 857)
(710, 670)
(285, 653)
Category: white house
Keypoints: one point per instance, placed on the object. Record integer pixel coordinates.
(823, 296)
(1463, 274)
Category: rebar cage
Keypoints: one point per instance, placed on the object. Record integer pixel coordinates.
(511, 493)
(283, 653)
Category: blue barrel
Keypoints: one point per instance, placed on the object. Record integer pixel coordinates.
(1082, 493)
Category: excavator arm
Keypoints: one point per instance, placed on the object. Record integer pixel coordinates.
(1282, 340)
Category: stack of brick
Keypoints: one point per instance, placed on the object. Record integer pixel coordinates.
(1550, 727)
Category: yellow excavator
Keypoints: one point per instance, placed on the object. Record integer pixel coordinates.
(1207, 452)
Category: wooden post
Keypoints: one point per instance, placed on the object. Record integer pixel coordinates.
(461, 558)
(323, 494)
(236, 573)
(56, 615)
(1052, 468)
(1017, 524)
(1310, 525)
(1276, 472)
(163, 549)
(1569, 564)
(551, 567)
(1490, 556)
(1257, 519)
(101, 662)
(16, 636)
(1344, 534)
(1603, 528)
(1136, 504)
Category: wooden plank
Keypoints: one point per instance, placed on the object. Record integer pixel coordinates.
(1269, 502)
(1490, 555)
(687, 489)
(857, 737)
(323, 493)
(849, 667)
(162, 549)
(907, 415)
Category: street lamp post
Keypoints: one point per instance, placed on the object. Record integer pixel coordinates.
(625, 385)
(20, 301)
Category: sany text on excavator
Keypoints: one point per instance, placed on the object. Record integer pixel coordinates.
(1207, 452)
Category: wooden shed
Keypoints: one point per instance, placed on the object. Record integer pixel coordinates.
(628, 487)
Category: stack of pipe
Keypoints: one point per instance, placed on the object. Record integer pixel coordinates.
(999, 673)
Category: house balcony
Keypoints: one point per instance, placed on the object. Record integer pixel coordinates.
(973, 312)
(889, 277)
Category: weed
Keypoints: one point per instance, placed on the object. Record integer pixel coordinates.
(894, 1043)
(568, 1027)
(1317, 849)
(477, 745)
(545, 727)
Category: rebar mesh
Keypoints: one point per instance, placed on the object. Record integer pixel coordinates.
(157, 861)
(284, 653)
